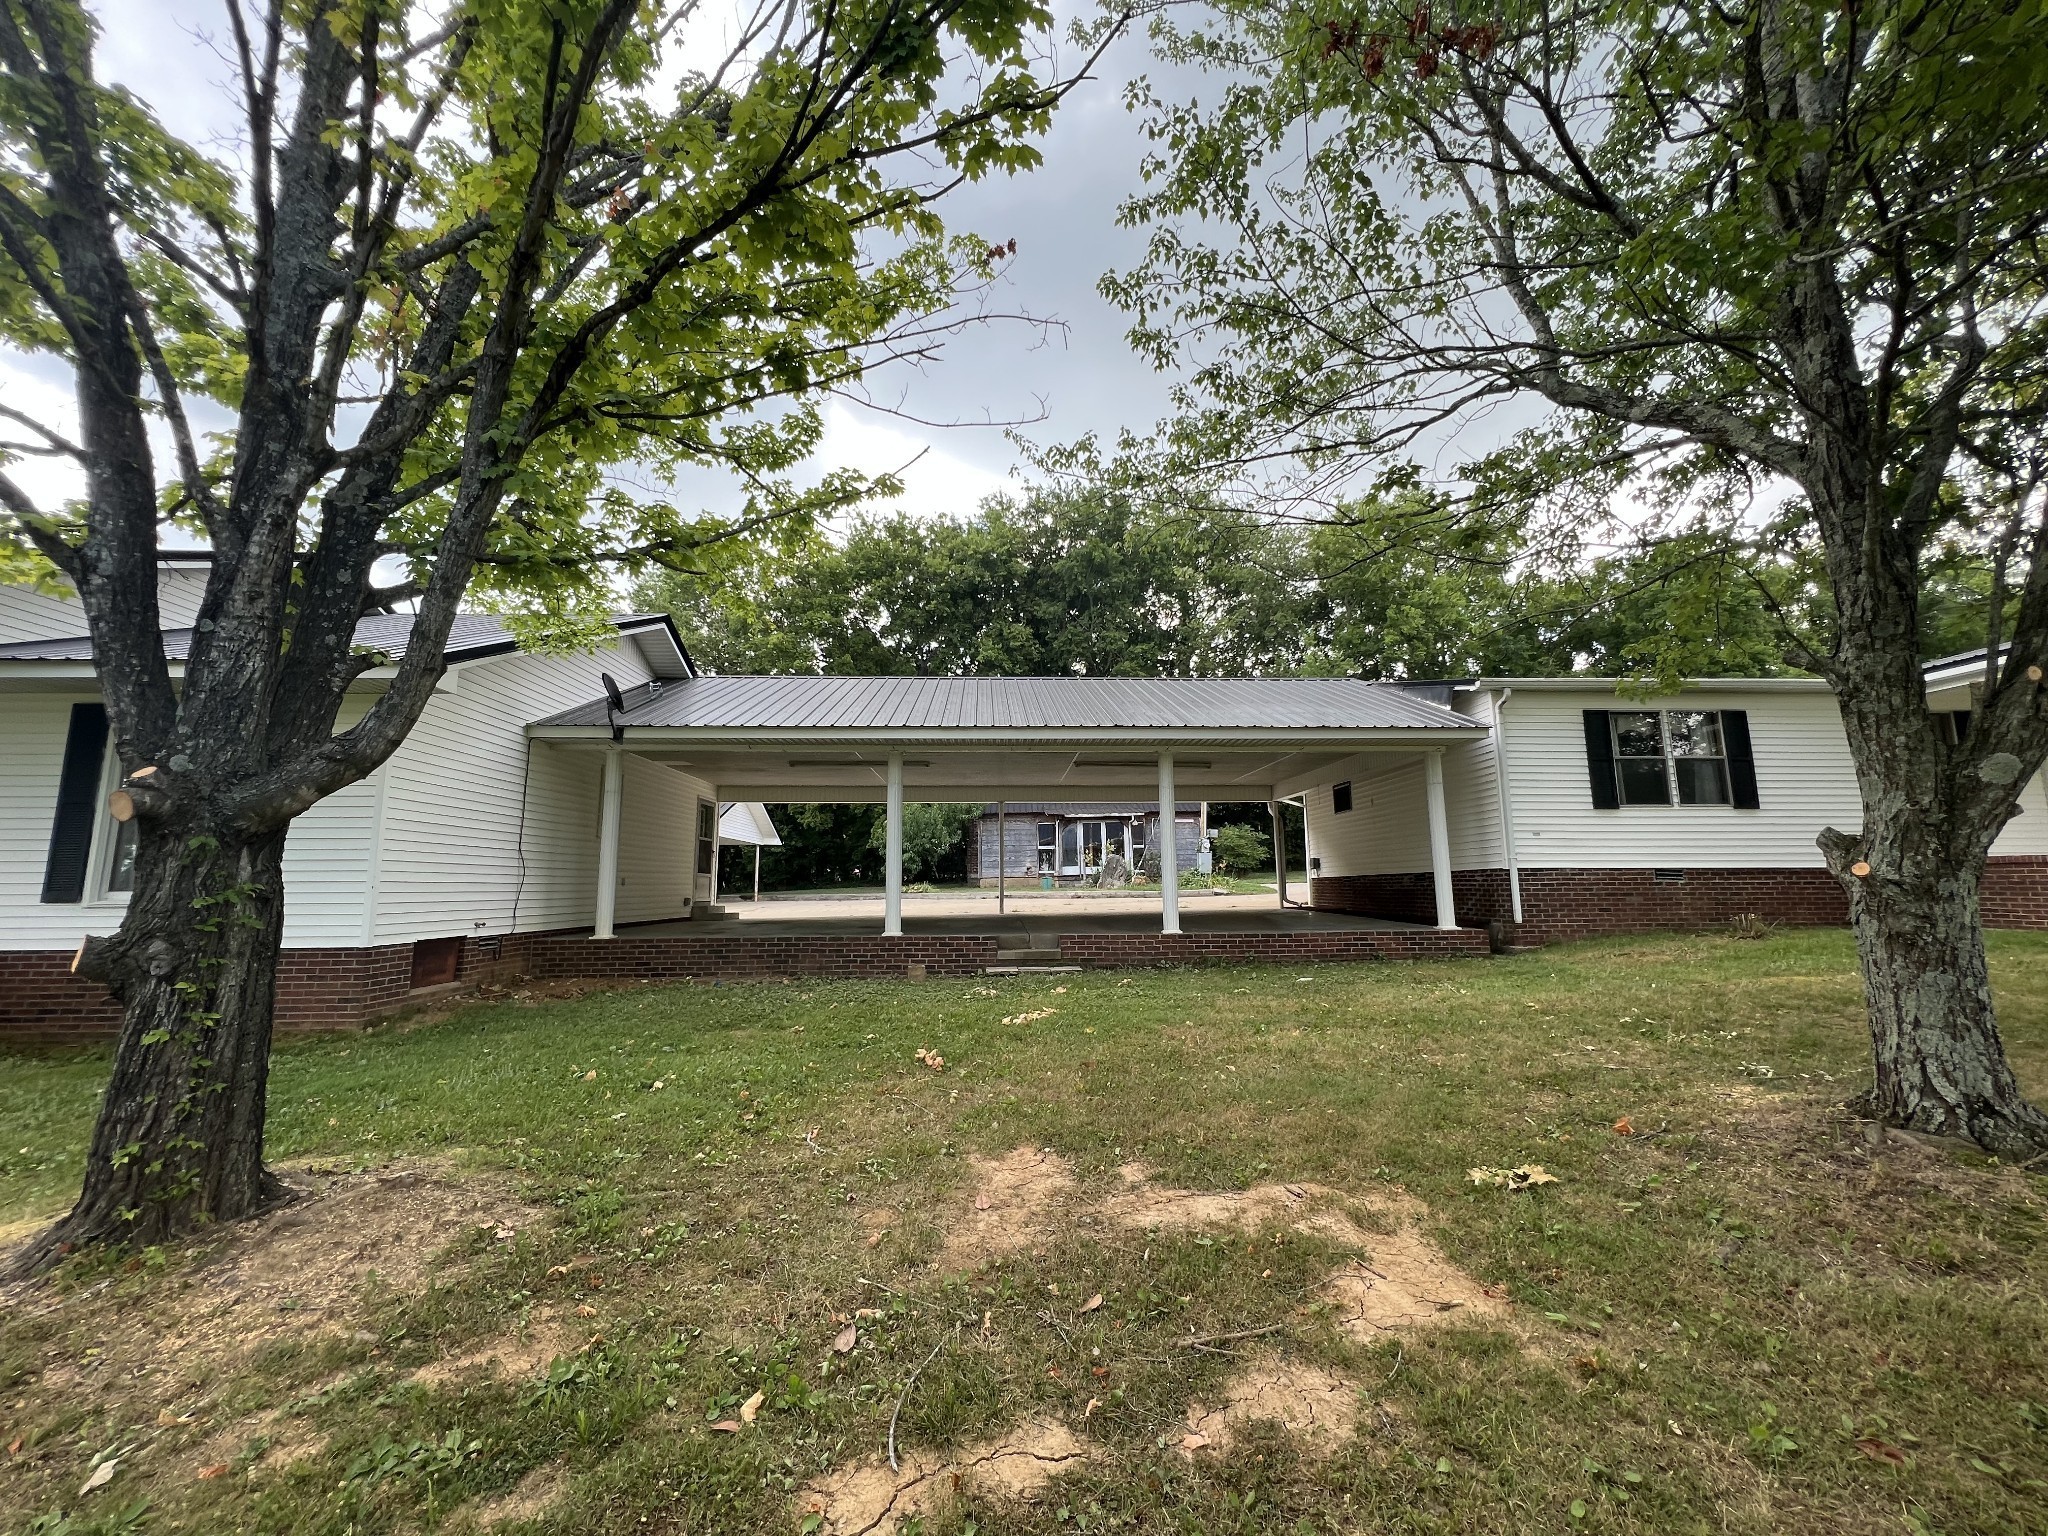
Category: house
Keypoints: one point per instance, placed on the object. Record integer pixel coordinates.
(1065, 840)
(397, 883)
(562, 816)
(1582, 813)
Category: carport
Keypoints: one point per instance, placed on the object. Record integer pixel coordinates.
(992, 740)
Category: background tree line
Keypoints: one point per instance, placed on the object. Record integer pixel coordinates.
(1082, 580)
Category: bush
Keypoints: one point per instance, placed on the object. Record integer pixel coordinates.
(1239, 849)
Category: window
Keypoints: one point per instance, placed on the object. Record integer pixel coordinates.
(121, 857)
(1048, 847)
(707, 835)
(1340, 797)
(1671, 755)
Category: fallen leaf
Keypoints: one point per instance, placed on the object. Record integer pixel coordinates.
(751, 1407)
(1093, 1404)
(1882, 1450)
(14, 1445)
(726, 1427)
(1054, 1287)
(586, 1311)
(1193, 1440)
(505, 1234)
(102, 1475)
(590, 1076)
(1098, 1371)
(981, 1202)
(168, 1420)
(1528, 1176)
(867, 1311)
(848, 1337)
(1092, 1302)
(876, 1240)
(1590, 1364)
(1623, 1128)
(207, 1474)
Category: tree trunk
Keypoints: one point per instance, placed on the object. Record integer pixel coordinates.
(1912, 877)
(1941, 1066)
(179, 1141)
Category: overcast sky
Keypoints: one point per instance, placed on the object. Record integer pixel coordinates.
(1081, 377)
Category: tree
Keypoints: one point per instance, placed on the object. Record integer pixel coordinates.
(931, 831)
(473, 255)
(1239, 848)
(1765, 270)
(1061, 581)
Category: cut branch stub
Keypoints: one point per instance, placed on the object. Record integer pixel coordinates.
(1860, 868)
(121, 805)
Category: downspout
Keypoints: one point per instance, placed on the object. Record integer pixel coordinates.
(1507, 807)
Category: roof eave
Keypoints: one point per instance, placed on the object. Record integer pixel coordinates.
(1129, 738)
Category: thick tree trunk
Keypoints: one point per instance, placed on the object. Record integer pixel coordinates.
(1912, 877)
(179, 1141)
(1940, 1065)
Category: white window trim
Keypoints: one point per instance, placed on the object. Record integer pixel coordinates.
(97, 861)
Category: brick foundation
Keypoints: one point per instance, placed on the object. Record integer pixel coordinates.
(1562, 904)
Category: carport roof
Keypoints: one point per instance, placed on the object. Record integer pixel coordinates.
(1031, 704)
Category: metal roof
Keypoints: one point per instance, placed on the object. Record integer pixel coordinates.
(471, 636)
(1021, 704)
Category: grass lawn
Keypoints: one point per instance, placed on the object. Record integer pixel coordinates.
(672, 1260)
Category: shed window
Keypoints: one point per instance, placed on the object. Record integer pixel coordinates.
(1340, 798)
(1048, 847)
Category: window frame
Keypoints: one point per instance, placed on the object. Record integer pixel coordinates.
(1668, 759)
(1341, 790)
(106, 833)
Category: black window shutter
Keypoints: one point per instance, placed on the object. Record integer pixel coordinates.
(1600, 762)
(78, 792)
(1741, 759)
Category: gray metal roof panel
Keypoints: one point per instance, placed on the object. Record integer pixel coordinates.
(1021, 703)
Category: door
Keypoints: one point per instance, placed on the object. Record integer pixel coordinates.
(1070, 848)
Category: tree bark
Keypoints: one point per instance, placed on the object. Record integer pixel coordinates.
(1912, 876)
(179, 1140)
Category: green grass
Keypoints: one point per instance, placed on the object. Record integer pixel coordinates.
(1706, 1319)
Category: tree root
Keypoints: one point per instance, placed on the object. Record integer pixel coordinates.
(77, 1231)
(2012, 1133)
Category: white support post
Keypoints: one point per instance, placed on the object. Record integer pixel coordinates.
(608, 844)
(892, 900)
(1279, 813)
(1169, 851)
(1002, 858)
(757, 871)
(1439, 838)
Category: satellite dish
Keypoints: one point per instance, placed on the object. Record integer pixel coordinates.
(615, 705)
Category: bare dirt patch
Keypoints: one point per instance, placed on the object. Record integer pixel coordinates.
(510, 1357)
(303, 1270)
(868, 1499)
(1318, 1408)
(1014, 1205)
(1401, 1280)
(528, 1499)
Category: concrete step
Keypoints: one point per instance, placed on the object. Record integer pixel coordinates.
(1031, 970)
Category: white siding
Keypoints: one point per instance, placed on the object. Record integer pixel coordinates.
(32, 731)
(26, 615)
(325, 854)
(2028, 831)
(1805, 782)
(452, 848)
(1386, 831)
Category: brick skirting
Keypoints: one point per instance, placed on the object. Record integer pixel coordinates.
(1562, 904)
(42, 1003)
